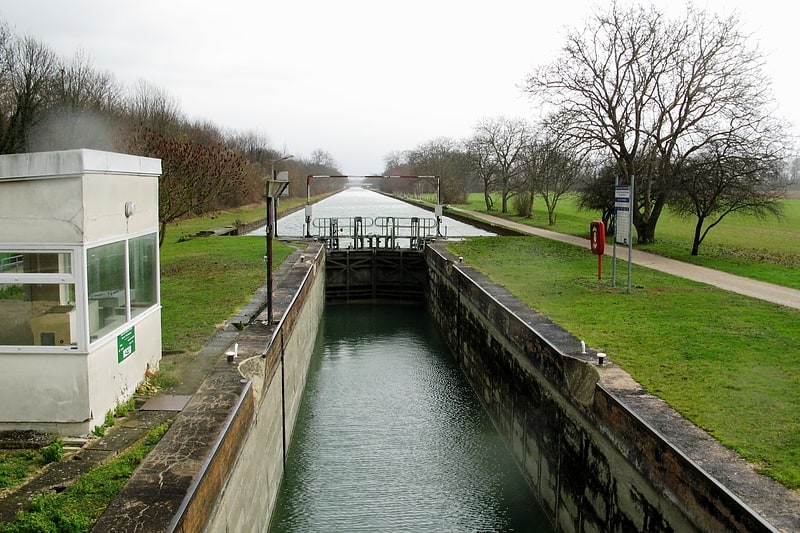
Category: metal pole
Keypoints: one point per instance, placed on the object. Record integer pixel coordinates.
(274, 211)
(630, 235)
(614, 248)
(269, 259)
(308, 207)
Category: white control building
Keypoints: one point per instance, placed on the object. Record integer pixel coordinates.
(80, 313)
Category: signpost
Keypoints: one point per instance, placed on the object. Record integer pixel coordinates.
(622, 208)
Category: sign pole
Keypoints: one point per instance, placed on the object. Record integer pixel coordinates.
(623, 223)
(614, 247)
(630, 234)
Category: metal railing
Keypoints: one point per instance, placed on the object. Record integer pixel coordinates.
(378, 232)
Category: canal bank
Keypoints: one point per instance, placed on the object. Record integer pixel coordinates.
(603, 454)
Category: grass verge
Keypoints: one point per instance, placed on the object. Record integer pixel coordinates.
(76, 508)
(726, 362)
(205, 280)
(762, 249)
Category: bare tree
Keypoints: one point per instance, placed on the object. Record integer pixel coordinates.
(323, 158)
(84, 111)
(443, 157)
(484, 164)
(721, 181)
(497, 145)
(551, 171)
(651, 92)
(193, 175)
(151, 107)
(596, 193)
(28, 68)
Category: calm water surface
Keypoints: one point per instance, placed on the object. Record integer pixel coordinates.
(391, 437)
(355, 202)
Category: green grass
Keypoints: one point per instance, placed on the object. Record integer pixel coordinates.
(765, 249)
(726, 362)
(205, 280)
(17, 465)
(75, 509)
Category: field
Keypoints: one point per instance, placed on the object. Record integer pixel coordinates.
(206, 279)
(766, 249)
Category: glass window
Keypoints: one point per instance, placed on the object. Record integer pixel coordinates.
(35, 314)
(37, 291)
(105, 275)
(142, 268)
(35, 263)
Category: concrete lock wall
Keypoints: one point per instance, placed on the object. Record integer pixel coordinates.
(249, 497)
(596, 465)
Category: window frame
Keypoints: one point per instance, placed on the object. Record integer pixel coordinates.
(60, 278)
(130, 319)
(78, 278)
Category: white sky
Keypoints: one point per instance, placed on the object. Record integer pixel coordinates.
(358, 79)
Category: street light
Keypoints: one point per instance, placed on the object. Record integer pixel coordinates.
(273, 189)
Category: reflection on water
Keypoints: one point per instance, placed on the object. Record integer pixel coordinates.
(360, 202)
(391, 437)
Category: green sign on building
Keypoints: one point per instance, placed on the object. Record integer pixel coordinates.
(126, 344)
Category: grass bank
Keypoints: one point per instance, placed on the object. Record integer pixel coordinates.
(765, 250)
(205, 280)
(76, 508)
(726, 362)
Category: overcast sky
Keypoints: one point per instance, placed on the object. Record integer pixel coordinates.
(358, 79)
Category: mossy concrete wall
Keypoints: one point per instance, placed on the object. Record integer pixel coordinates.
(596, 465)
(248, 498)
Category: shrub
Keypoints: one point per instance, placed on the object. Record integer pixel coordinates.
(53, 453)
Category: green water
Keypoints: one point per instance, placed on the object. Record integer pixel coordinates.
(391, 437)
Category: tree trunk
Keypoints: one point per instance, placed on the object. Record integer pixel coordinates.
(698, 228)
(488, 199)
(645, 231)
(162, 232)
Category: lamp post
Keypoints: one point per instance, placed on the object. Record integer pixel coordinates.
(274, 188)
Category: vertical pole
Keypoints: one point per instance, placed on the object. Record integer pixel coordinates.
(308, 207)
(438, 207)
(275, 208)
(614, 247)
(630, 235)
(269, 259)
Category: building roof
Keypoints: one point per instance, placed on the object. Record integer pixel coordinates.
(70, 163)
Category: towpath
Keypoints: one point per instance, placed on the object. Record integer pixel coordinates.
(769, 292)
